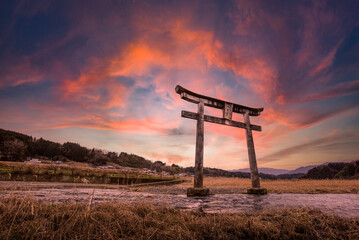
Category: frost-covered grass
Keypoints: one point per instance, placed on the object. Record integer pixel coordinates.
(26, 218)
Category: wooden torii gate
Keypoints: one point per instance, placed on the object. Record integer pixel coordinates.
(228, 109)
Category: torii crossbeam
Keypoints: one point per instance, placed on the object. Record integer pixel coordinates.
(228, 109)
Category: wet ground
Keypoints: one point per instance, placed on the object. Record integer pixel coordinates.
(344, 205)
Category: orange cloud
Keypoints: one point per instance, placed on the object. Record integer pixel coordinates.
(186, 50)
(87, 88)
(137, 60)
(129, 125)
(169, 158)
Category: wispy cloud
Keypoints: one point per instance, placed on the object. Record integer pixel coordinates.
(333, 142)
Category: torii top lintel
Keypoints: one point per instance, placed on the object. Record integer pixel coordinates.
(215, 103)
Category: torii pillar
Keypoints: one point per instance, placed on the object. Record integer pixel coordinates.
(228, 109)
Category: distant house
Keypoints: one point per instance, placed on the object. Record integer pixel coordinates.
(32, 160)
(106, 167)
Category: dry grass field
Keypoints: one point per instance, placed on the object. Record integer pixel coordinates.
(279, 186)
(73, 168)
(29, 219)
(21, 171)
(217, 184)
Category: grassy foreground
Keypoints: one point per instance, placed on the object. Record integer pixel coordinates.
(238, 185)
(27, 219)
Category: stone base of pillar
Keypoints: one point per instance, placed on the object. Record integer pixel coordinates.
(257, 191)
(198, 192)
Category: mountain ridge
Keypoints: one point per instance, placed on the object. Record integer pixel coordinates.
(276, 171)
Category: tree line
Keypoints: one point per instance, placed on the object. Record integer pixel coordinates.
(16, 146)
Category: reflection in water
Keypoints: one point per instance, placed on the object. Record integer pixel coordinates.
(345, 205)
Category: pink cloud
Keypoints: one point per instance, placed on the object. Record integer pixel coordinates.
(327, 61)
(19, 73)
(169, 158)
(143, 126)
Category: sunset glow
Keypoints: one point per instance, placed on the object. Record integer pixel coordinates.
(103, 74)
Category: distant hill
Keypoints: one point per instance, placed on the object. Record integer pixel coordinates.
(277, 172)
(215, 172)
(336, 170)
(17, 147)
(303, 170)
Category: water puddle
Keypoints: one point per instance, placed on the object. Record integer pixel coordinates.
(344, 205)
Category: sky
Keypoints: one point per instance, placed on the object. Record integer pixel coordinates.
(103, 74)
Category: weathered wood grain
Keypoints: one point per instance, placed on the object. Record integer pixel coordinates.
(251, 153)
(227, 111)
(198, 168)
(215, 103)
(211, 119)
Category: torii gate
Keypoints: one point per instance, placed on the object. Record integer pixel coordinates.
(228, 108)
